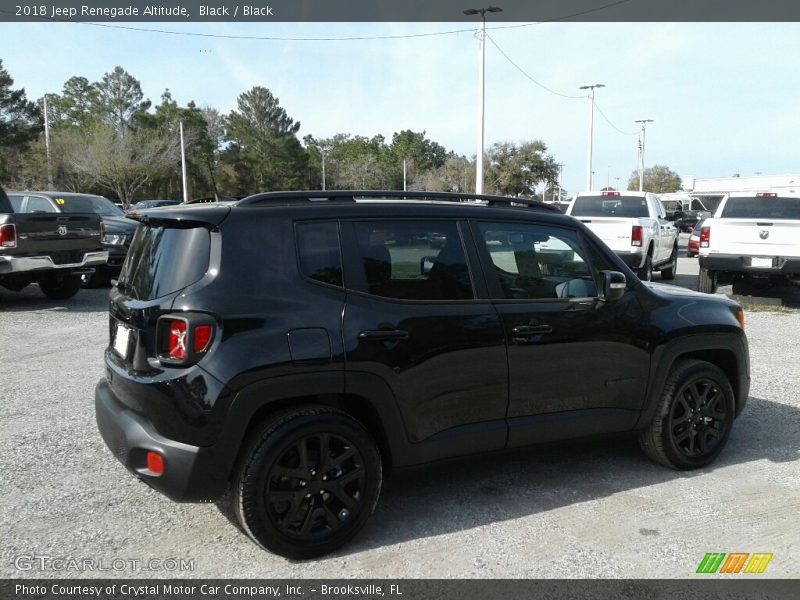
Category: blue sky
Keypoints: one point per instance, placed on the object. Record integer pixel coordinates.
(725, 98)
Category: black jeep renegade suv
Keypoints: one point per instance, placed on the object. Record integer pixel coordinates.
(292, 346)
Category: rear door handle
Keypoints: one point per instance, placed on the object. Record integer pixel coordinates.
(388, 335)
(531, 330)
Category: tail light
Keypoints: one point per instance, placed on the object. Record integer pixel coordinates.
(636, 235)
(767, 194)
(184, 339)
(8, 236)
(705, 236)
(155, 463)
(609, 193)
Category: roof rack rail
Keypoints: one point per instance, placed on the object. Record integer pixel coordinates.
(308, 196)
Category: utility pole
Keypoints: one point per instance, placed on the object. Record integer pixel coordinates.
(183, 165)
(47, 144)
(481, 91)
(589, 171)
(644, 122)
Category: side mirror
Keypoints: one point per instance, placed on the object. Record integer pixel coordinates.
(614, 285)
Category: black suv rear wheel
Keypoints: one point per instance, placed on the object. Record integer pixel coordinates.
(693, 419)
(307, 483)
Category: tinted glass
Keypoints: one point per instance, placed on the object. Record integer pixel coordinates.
(39, 204)
(414, 260)
(537, 262)
(16, 202)
(610, 206)
(87, 204)
(762, 207)
(318, 249)
(163, 260)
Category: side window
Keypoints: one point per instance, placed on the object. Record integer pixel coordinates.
(318, 251)
(413, 260)
(16, 202)
(536, 262)
(39, 204)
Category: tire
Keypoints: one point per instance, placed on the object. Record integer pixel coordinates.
(60, 287)
(285, 495)
(646, 272)
(668, 274)
(694, 417)
(707, 281)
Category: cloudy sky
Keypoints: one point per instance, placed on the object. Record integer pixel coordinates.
(725, 98)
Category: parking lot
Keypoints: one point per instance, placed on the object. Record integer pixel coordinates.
(597, 509)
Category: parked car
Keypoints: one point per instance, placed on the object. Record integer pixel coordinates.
(37, 244)
(117, 229)
(752, 239)
(693, 245)
(142, 204)
(299, 380)
(635, 226)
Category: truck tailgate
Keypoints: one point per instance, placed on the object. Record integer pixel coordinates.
(614, 231)
(753, 237)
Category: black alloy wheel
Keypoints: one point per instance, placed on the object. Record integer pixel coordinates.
(307, 482)
(699, 418)
(694, 417)
(313, 487)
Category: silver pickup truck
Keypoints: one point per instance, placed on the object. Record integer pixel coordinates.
(51, 249)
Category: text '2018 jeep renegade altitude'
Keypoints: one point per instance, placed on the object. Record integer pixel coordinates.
(292, 346)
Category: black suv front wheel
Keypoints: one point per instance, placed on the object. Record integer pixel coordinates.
(693, 419)
(307, 483)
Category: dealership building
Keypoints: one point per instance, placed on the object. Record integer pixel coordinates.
(753, 183)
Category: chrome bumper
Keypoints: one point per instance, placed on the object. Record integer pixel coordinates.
(19, 264)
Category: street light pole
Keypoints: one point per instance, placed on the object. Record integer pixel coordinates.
(322, 152)
(481, 91)
(591, 89)
(183, 166)
(644, 122)
(47, 144)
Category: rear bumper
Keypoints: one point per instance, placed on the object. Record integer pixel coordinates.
(191, 473)
(635, 260)
(20, 264)
(743, 264)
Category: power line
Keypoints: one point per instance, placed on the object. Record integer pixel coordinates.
(324, 39)
(612, 125)
(521, 70)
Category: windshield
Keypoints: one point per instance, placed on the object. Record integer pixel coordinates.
(88, 204)
(610, 206)
(762, 207)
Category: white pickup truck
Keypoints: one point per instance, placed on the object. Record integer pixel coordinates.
(752, 238)
(634, 225)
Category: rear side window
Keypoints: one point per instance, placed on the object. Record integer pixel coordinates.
(610, 206)
(413, 260)
(16, 202)
(162, 260)
(762, 207)
(318, 250)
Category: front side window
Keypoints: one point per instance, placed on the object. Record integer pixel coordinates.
(318, 250)
(537, 262)
(413, 260)
(16, 202)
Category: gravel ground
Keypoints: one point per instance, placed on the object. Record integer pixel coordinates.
(591, 510)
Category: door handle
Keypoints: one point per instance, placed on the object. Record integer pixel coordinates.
(531, 330)
(381, 335)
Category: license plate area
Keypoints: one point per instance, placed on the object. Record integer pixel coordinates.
(121, 341)
(760, 262)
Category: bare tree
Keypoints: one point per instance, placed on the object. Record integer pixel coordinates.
(122, 164)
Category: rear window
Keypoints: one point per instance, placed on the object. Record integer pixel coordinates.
(762, 207)
(87, 204)
(162, 260)
(610, 206)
